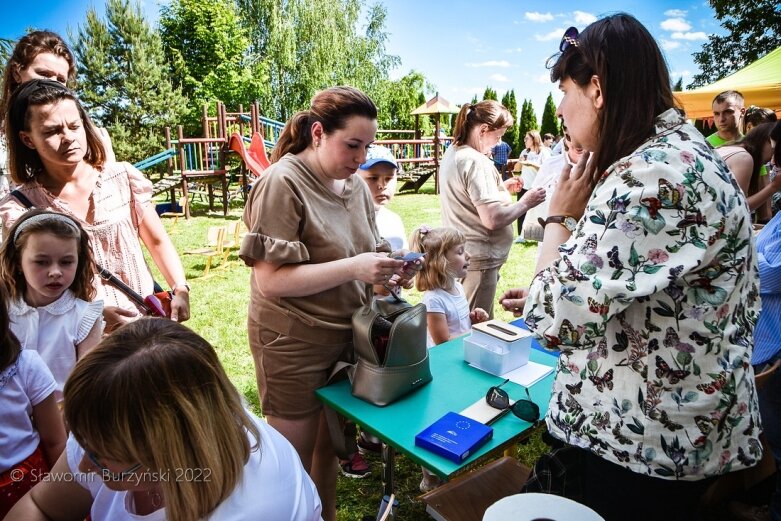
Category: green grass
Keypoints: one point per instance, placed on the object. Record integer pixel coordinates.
(219, 313)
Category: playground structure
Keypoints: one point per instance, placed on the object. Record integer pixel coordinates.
(203, 165)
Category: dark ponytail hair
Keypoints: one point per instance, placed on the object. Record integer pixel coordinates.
(634, 95)
(488, 112)
(331, 108)
(775, 135)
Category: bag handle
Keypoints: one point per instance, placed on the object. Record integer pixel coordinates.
(103, 272)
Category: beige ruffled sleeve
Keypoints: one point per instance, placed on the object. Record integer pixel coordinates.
(274, 223)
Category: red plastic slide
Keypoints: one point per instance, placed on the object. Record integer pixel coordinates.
(254, 157)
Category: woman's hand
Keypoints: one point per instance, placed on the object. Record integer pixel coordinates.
(513, 300)
(533, 197)
(478, 315)
(376, 268)
(513, 184)
(115, 317)
(573, 190)
(180, 305)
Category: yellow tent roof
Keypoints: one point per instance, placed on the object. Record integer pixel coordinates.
(436, 105)
(759, 82)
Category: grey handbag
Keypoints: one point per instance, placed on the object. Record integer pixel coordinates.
(389, 336)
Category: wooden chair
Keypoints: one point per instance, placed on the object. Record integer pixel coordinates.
(215, 238)
(467, 497)
(183, 202)
(232, 241)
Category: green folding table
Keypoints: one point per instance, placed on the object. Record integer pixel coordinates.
(455, 386)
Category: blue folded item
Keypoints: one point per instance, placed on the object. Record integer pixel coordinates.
(454, 437)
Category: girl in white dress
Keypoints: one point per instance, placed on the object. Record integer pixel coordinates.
(46, 264)
(32, 434)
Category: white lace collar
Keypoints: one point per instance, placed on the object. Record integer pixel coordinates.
(62, 305)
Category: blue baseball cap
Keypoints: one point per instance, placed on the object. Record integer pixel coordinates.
(378, 154)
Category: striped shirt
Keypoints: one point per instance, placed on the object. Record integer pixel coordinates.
(766, 343)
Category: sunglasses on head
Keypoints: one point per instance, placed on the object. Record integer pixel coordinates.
(570, 38)
(524, 409)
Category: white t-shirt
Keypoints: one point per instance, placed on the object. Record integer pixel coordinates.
(455, 308)
(391, 228)
(23, 385)
(274, 486)
(55, 330)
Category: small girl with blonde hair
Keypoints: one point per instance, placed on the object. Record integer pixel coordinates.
(447, 309)
(447, 261)
(46, 265)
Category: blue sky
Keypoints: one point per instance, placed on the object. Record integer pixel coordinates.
(464, 45)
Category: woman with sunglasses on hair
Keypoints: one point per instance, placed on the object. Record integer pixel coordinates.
(58, 162)
(647, 285)
(159, 432)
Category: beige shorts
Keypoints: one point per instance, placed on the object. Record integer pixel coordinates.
(288, 371)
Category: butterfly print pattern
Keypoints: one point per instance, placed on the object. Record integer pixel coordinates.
(651, 305)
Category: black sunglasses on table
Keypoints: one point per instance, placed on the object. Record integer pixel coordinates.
(524, 409)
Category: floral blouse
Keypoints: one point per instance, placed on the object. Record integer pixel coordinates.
(652, 305)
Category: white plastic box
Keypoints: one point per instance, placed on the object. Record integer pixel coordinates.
(497, 347)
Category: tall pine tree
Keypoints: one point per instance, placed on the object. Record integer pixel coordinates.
(124, 80)
(511, 136)
(550, 123)
(528, 119)
(490, 94)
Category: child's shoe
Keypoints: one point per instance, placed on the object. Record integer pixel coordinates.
(356, 467)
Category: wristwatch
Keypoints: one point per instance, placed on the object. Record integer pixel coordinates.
(566, 221)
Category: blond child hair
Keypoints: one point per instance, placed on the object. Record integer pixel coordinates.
(435, 243)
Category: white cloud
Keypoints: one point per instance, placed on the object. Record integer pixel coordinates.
(515, 50)
(680, 74)
(534, 16)
(553, 35)
(690, 36)
(669, 45)
(543, 78)
(583, 18)
(675, 13)
(675, 24)
(499, 77)
(503, 64)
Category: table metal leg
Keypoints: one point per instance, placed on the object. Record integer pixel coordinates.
(388, 457)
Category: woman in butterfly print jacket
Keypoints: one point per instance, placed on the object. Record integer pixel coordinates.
(653, 299)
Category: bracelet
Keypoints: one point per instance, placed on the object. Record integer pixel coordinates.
(180, 285)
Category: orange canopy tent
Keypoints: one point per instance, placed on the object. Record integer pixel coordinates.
(759, 82)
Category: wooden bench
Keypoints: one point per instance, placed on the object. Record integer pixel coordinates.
(467, 497)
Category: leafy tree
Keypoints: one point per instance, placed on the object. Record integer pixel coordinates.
(550, 123)
(490, 94)
(124, 79)
(309, 45)
(207, 46)
(753, 30)
(396, 99)
(511, 136)
(474, 100)
(528, 119)
(678, 87)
